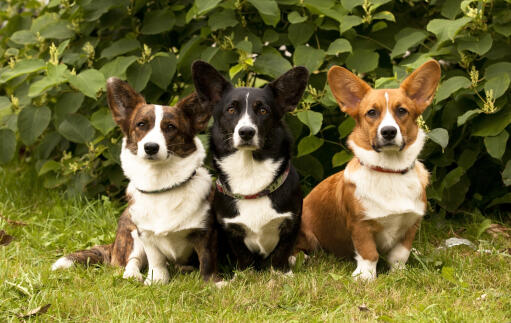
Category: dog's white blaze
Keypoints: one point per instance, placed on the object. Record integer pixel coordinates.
(155, 135)
(245, 121)
(398, 257)
(388, 120)
(366, 269)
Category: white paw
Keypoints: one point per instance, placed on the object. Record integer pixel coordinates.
(62, 263)
(398, 257)
(292, 261)
(157, 276)
(133, 273)
(364, 274)
(221, 284)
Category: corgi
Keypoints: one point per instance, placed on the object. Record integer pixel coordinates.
(258, 200)
(376, 204)
(168, 217)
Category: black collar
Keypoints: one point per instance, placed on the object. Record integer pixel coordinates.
(166, 189)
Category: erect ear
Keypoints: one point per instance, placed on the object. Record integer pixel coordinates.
(289, 87)
(209, 83)
(198, 113)
(347, 88)
(421, 85)
(122, 100)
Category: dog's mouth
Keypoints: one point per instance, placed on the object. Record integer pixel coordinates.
(246, 146)
(388, 146)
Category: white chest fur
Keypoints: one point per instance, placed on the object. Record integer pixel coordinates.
(257, 217)
(394, 229)
(174, 245)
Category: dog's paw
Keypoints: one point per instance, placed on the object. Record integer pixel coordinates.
(62, 263)
(292, 261)
(133, 273)
(398, 257)
(364, 274)
(221, 284)
(157, 276)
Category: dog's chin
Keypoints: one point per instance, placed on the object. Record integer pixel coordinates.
(156, 159)
(387, 147)
(246, 146)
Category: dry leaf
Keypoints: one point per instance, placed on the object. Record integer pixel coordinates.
(5, 239)
(13, 222)
(36, 311)
(496, 229)
(363, 308)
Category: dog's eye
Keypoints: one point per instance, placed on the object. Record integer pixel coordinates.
(140, 124)
(372, 113)
(231, 110)
(402, 111)
(263, 111)
(170, 126)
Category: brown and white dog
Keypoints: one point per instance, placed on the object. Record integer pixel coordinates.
(376, 204)
(168, 216)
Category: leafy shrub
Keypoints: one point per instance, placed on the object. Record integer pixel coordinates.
(56, 56)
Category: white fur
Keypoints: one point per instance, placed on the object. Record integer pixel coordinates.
(398, 257)
(245, 121)
(259, 219)
(366, 269)
(165, 219)
(394, 228)
(395, 160)
(136, 260)
(388, 120)
(155, 135)
(62, 263)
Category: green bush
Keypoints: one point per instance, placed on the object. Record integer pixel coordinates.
(56, 57)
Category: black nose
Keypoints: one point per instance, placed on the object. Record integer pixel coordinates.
(151, 148)
(246, 133)
(388, 132)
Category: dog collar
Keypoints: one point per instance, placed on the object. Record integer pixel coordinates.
(386, 170)
(166, 189)
(268, 190)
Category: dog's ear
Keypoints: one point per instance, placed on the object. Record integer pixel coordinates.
(289, 87)
(421, 85)
(210, 85)
(347, 88)
(122, 100)
(198, 113)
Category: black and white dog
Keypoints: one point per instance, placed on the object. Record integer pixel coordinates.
(258, 202)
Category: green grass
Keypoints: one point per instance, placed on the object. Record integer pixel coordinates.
(457, 284)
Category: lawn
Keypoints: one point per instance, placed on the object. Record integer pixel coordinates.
(440, 284)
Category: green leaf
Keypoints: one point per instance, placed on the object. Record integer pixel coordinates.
(439, 136)
(76, 128)
(498, 69)
(49, 166)
(163, 67)
(448, 87)
(68, 103)
(300, 33)
(5, 106)
(349, 22)
(89, 82)
(350, 4)
(309, 57)
(268, 9)
(496, 145)
(138, 76)
(311, 119)
(21, 68)
(407, 38)
(346, 127)
(24, 37)
(57, 74)
(341, 158)
(339, 46)
(122, 46)
(506, 174)
(479, 46)
(7, 145)
(445, 29)
(32, 121)
(498, 85)
(453, 177)
(271, 64)
(118, 67)
(204, 6)
(308, 145)
(491, 124)
(57, 30)
(467, 116)
(222, 19)
(158, 21)
(234, 70)
(384, 15)
(295, 18)
(451, 8)
(362, 60)
(103, 121)
(506, 199)
(309, 166)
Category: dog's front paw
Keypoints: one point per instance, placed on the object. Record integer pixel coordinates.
(157, 276)
(398, 257)
(133, 273)
(364, 274)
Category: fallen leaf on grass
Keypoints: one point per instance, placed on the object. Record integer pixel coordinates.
(496, 229)
(5, 239)
(363, 308)
(13, 222)
(36, 311)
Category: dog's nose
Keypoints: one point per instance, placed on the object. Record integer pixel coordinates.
(388, 132)
(151, 148)
(246, 133)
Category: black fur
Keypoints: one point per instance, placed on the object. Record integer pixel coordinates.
(274, 142)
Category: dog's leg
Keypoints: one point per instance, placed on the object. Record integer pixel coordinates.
(157, 263)
(136, 260)
(365, 250)
(398, 255)
(206, 248)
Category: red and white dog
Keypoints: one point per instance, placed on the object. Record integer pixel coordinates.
(376, 204)
(168, 217)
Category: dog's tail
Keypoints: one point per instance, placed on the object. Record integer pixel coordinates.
(95, 255)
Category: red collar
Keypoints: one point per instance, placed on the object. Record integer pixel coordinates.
(386, 170)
